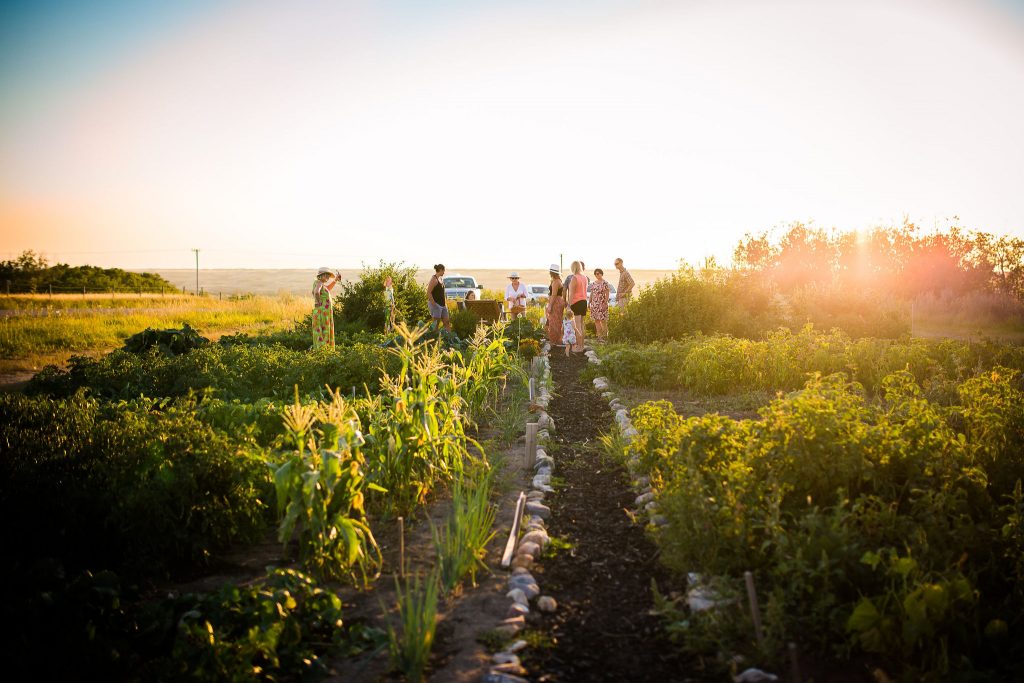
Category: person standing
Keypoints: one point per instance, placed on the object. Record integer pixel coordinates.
(323, 311)
(436, 301)
(389, 303)
(515, 296)
(555, 309)
(578, 302)
(600, 293)
(624, 290)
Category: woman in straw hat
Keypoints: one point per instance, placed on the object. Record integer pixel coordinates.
(515, 296)
(555, 309)
(323, 311)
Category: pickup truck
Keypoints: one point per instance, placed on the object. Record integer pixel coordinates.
(456, 286)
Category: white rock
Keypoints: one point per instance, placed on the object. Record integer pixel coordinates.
(504, 658)
(546, 603)
(517, 595)
(754, 676)
(529, 547)
(538, 536)
(652, 506)
(539, 509)
(630, 432)
(645, 498)
(517, 609)
(659, 520)
(517, 646)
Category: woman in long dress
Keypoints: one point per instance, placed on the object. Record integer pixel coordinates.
(323, 311)
(599, 295)
(555, 309)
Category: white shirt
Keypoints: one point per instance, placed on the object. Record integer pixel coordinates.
(515, 297)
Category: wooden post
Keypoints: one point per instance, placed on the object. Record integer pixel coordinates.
(401, 547)
(83, 292)
(531, 444)
(755, 610)
(794, 663)
(51, 290)
(531, 389)
(513, 535)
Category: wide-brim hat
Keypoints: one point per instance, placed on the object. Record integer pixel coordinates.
(322, 270)
(555, 268)
(513, 274)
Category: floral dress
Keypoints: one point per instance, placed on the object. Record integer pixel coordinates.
(599, 294)
(554, 312)
(323, 316)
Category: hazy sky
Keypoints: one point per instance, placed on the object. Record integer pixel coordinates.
(493, 134)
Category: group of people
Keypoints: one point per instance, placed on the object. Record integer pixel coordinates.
(565, 311)
(570, 300)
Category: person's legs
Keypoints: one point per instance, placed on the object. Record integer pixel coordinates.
(577, 321)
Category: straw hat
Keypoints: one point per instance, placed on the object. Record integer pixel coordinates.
(513, 275)
(555, 268)
(322, 270)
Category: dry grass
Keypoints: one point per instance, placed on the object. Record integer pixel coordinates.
(32, 336)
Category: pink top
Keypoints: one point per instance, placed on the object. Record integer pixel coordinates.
(581, 289)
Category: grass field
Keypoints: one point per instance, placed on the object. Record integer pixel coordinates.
(36, 330)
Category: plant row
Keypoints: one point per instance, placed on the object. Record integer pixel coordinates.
(721, 364)
(890, 531)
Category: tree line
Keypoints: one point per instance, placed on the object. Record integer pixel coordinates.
(30, 272)
(902, 261)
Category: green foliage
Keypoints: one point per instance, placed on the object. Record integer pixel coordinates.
(361, 304)
(417, 613)
(896, 522)
(461, 543)
(168, 342)
(246, 372)
(31, 273)
(140, 487)
(688, 302)
(273, 630)
(320, 493)
(720, 364)
(464, 322)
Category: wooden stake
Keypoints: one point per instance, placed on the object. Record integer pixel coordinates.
(794, 663)
(401, 547)
(513, 535)
(755, 610)
(531, 444)
(531, 389)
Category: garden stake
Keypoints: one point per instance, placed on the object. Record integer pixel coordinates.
(531, 444)
(531, 389)
(794, 662)
(401, 547)
(513, 534)
(755, 611)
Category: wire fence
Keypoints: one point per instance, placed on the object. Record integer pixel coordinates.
(11, 288)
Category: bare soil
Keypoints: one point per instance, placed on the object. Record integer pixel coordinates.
(603, 629)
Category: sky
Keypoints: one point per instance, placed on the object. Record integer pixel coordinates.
(497, 134)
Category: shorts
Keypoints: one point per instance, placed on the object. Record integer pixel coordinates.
(580, 307)
(437, 311)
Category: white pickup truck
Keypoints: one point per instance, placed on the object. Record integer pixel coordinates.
(457, 286)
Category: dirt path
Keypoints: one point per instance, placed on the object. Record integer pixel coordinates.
(602, 630)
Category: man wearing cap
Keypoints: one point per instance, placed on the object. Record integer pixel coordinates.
(625, 289)
(515, 296)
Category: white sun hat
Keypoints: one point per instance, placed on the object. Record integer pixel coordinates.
(513, 274)
(323, 269)
(554, 268)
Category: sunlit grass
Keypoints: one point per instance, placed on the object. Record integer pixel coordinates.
(53, 332)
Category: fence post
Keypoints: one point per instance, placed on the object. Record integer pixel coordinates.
(50, 287)
(531, 444)
(83, 292)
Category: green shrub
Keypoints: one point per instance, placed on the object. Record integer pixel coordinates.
(361, 304)
(889, 527)
(141, 487)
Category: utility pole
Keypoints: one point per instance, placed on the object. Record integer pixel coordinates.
(561, 265)
(197, 271)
